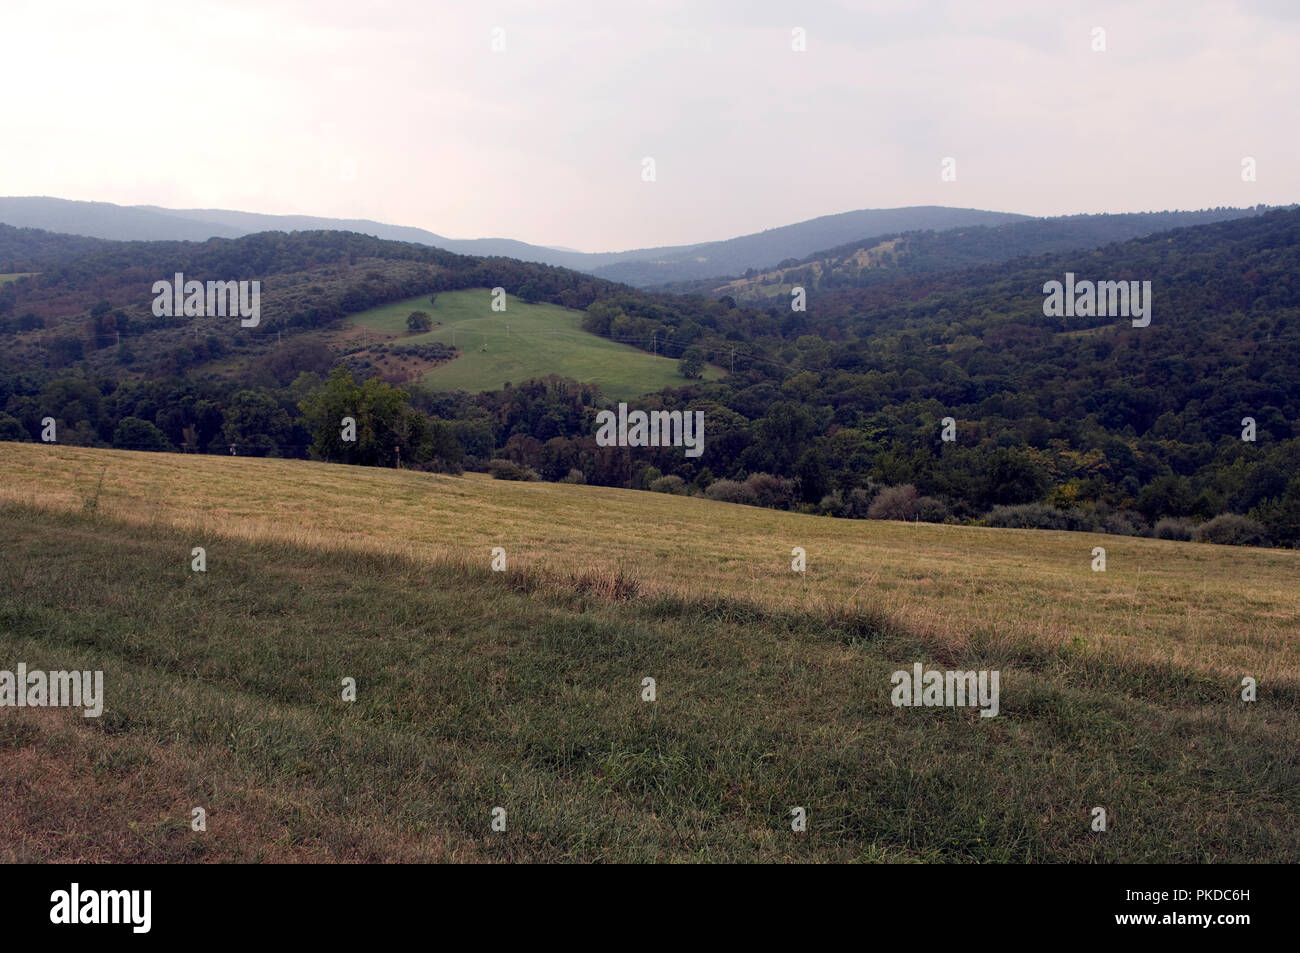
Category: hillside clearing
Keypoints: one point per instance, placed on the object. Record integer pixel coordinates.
(523, 342)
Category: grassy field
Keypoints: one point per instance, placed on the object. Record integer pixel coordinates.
(5, 279)
(525, 341)
(522, 689)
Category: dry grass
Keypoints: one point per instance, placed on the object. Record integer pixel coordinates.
(72, 793)
(522, 689)
(1215, 609)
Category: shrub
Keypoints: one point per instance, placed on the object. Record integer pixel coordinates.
(894, 503)
(418, 321)
(436, 464)
(509, 470)
(645, 477)
(430, 351)
(575, 476)
(1173, 528)
(729, 491)
(931, 510)
(1121, 522)
(859, 500)
(772, 491)
(1232, 530)
(832, 504)
(669, 484)
(12, 429)
(1041, 516)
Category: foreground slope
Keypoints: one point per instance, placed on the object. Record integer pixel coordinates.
(1217, 609)
(522, 689)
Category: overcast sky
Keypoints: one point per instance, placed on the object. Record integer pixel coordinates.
(401, 111)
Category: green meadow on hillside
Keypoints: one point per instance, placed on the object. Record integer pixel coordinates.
(524, 689)
(525, 341)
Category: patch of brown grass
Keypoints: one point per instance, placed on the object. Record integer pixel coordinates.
(73, 793)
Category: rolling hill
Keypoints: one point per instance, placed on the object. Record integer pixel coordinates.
(641, 266)
(973, 236)
(91, 306)
(89, 302)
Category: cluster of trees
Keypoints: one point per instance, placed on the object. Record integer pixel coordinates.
(305, 419)
(169, 415)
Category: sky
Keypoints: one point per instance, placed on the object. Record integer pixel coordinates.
(404, 112)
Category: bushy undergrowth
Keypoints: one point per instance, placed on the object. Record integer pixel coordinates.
(509, 470)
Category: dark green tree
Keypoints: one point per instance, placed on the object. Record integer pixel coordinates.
(256, 423)
(691, 366)
(387, 428)
(132, 433)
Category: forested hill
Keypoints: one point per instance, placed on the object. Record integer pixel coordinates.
(658, 266)
(888, 256)
(1109, 423)
(72, 267)
(89, 301)
(1085, 422)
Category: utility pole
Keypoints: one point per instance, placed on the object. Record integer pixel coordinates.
(654, 347)
(733, 359)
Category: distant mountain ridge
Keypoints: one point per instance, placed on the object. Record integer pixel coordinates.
(653, 266)
(641, 267)
(848, 248)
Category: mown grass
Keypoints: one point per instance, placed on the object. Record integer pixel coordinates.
(478, 690)
(1226, 611)
(522, 689)
(523, 342)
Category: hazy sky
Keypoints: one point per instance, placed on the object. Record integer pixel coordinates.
(401, 111)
